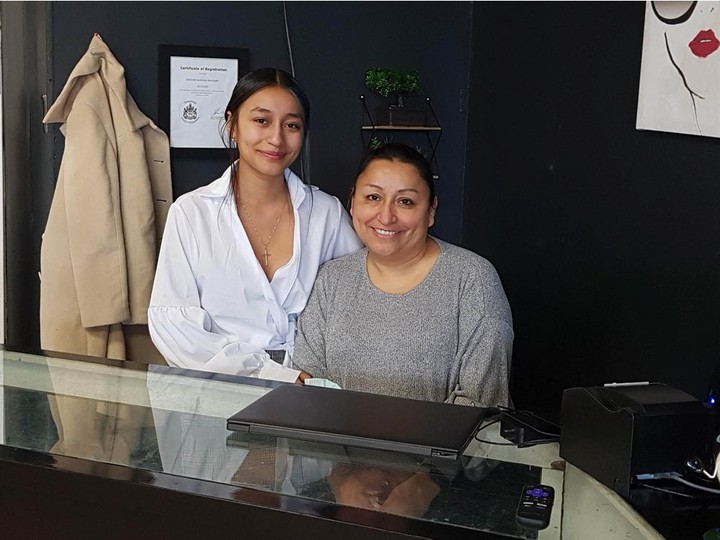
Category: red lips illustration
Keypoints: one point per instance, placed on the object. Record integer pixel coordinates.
(704, 44)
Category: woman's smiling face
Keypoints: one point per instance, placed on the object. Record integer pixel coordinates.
(269, 131)
(391, 210)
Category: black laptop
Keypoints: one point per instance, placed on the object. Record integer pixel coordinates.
(360, 419)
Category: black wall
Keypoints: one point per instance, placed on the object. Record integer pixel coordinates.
(27, 163)
(607, 239)
(333, 44)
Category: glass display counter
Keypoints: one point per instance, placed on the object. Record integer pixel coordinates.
(99, 448)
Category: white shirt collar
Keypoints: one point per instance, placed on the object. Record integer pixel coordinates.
(296, 187)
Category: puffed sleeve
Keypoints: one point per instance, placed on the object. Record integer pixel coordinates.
(485, 342)
(180, 328)
(312, 325)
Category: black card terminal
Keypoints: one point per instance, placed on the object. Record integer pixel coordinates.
(535, 506)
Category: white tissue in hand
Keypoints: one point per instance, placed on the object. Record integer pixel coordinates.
(275, 372)
(325, 383)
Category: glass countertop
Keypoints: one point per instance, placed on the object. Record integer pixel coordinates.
(173, 422)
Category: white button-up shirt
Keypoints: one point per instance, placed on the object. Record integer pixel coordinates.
(212, 307)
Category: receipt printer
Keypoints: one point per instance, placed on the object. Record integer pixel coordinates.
(616, 432)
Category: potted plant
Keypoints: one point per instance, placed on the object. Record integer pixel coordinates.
(399, 84)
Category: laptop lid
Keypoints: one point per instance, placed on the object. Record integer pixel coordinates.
(352, 418)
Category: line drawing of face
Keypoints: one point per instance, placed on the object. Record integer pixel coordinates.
(690, 34)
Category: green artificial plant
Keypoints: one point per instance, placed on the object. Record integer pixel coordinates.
(389, 81)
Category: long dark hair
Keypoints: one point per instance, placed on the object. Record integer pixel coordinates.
(404, 154)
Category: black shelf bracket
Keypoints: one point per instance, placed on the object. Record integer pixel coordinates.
(431, 129)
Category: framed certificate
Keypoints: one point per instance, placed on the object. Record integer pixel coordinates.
(194, 87)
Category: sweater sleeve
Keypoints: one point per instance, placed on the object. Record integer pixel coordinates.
(179, 326)
(310, 349)
(485, 343)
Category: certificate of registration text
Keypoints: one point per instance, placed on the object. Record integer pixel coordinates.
(199, 92)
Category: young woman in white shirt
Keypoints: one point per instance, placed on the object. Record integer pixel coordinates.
(239, 256)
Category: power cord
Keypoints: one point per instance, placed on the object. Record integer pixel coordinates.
(678, 478)
(664, 490)
(522, 431)
(512, 413)
(525, 428)
(492, 442)
(696, 465)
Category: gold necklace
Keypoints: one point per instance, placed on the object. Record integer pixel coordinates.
(266, 254)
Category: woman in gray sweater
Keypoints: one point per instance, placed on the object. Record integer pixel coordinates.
(409, 315)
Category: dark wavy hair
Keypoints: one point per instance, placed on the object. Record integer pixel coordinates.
(404, 154)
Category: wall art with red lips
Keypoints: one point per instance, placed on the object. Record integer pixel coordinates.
(680, 72)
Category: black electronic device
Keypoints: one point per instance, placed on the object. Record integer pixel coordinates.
(617, 432)
(712, 399)
(327, 415)
(527, 429)
(713, 390)
(535, 506)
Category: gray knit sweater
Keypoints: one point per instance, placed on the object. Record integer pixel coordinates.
(449, 339)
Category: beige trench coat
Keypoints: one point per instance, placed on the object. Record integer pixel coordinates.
(99, 249)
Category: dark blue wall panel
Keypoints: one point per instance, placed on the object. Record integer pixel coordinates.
(607, 238)
(333, 44)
